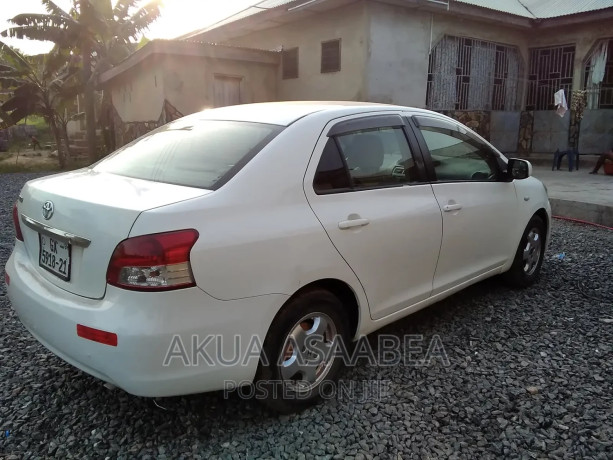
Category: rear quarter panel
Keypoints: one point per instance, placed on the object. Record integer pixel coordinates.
(258, 234)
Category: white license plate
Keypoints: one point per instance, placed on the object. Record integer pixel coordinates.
(54, 256)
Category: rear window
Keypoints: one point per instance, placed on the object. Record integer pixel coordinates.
(190, 152)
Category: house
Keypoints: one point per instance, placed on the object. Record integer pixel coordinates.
(167, 79)
(493, 64)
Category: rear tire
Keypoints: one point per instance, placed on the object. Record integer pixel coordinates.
(526, 268)
(290, 372)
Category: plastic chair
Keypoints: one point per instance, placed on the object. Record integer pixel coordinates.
(573, 158)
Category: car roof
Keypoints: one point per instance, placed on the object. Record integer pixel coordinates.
(286, 113)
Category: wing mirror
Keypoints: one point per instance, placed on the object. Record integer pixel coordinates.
(519, 169)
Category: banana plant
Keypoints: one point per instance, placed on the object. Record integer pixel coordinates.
(100, 33)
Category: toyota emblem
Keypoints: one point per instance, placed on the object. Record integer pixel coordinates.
(48, 210)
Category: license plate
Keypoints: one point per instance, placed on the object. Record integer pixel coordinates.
(54, 256)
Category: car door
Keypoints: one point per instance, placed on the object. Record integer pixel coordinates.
(479, 205)
(369, 191)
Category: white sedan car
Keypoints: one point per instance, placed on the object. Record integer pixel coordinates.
(239, 244)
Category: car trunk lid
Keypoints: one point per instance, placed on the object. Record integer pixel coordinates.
(88, 215)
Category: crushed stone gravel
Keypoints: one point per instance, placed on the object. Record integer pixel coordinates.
(530, 375)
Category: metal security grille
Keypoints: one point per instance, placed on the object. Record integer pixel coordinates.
(289, 63)
(551, 69)
(470, 74)
(331, 56)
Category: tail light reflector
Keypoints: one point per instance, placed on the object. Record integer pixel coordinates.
(89, 333)
(18, 233)
(157, 262)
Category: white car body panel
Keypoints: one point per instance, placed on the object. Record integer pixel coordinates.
(472, 243)
(98, 207)
(263, 236)
(145, 325)
(395, 216)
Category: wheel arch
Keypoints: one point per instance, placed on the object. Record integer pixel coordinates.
(340, 289)
(542, 213)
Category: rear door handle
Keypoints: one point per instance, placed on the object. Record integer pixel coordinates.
(353, 223)
(452, 207)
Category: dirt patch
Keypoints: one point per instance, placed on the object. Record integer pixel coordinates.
(29, 158)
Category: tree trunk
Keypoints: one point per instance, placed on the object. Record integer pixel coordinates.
(89, 102)
(66, 140)
(58, 142)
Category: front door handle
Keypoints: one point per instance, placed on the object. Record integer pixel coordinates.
(452, 207)
(353, 223)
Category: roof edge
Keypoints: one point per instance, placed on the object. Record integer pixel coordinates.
(190, 48)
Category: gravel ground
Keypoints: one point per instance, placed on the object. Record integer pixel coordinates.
(530, 375)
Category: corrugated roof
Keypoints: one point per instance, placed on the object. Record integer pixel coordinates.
(256, 8)
(541, 9)
(507, 6)
(531, 9)
(544, 9)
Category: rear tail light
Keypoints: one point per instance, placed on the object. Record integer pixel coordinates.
(18, 233)
(158, 262)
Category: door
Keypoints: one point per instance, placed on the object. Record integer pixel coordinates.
(479, 205)
(369, 192)
(227, 90)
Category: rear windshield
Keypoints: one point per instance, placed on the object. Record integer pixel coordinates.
(190, 152)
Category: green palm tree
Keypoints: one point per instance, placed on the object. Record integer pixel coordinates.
(40, 85)
(100, 33)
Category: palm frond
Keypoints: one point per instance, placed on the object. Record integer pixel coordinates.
(53, 9)
(13, 56)
(142, 19)
(47, 20)
(122, 9)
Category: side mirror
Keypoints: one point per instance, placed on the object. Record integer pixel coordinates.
(519, 169)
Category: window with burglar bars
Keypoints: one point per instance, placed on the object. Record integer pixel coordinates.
(331, 56)
(470, 74)
(550, 70)
(289, 63)
(598, 76)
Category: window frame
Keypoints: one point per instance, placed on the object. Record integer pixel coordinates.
(451, 60)
(415, 121)
(545, 79)
(285, 74)
(339, 65)
(374, 123)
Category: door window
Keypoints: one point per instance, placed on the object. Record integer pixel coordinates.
(458, 156)
(370, 158)
(331, 174)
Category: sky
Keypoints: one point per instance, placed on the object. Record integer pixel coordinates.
(178, 17)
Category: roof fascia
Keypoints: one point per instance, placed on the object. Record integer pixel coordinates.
(185, 48)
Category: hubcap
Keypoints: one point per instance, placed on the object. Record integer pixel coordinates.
(532, 251)
(305, 357)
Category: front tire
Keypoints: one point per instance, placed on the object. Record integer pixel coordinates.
(526, 267)
(298, 356)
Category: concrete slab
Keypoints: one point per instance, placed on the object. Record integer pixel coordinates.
(579, 195)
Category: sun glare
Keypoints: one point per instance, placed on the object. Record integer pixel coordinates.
(178, 18)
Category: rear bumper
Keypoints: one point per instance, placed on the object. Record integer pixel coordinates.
(169, 343)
